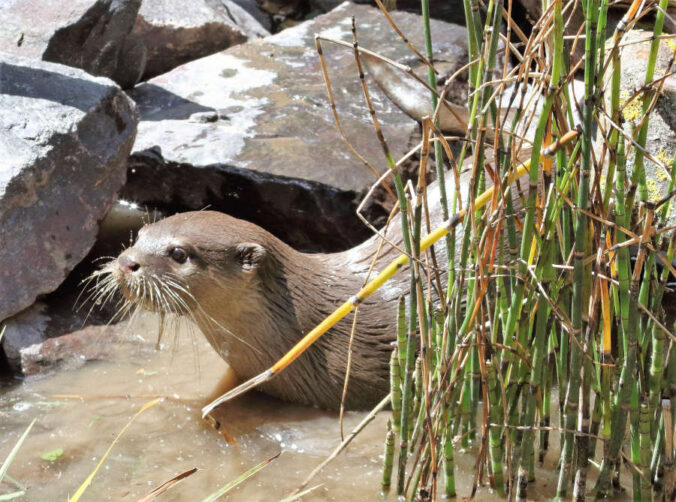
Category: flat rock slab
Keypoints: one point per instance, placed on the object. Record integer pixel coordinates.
(68, 351)
(64, 141)
(252, 130)
(174, 34)
(87, 34)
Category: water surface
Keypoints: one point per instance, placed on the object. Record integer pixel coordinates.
(171, 437)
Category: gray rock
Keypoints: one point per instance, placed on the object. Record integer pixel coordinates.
(661, 139)
(175, 33)
(22, 330)
(451, 11)
(64, 140)
(87, 34)
(252, 127)
(250, 7)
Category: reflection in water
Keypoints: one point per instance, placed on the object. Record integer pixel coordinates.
(171, 438)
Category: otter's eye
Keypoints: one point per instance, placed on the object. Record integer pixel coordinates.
(179, 255)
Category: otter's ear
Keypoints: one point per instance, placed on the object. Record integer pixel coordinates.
(249, 255)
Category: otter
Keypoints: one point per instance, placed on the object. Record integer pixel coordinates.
(254, 297)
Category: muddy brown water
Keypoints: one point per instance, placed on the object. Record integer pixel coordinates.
(171, 437)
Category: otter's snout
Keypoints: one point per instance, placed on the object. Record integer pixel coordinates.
(127, 264)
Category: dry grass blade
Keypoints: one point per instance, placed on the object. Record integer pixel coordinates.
(167, 484)
(379, 407)
(10, 458)
(301, 494)
(246, 475)
(83, 487)
(95, 397)
(12, 496)
(402, 36)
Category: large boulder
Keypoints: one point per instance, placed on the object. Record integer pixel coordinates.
(252, 128)
(174, 33)
(64, 139)
(88, 34)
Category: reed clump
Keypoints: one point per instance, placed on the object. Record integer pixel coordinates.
(566, 293)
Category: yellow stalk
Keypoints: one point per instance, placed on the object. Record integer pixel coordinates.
(605, 312)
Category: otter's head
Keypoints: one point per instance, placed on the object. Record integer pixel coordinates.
(192, 260)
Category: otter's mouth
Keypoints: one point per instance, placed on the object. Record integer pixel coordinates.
(164, 295)
(156, 294)
(136, 292)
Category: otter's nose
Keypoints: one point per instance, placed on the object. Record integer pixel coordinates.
(127, 264)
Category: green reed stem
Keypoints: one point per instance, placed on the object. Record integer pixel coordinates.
(538, 358)
(635, 445)
(417, 395)
(657, 462)
(669, 470)
(411, 245)
(645, 444)
(597, 415)
(388, 460)
(495, 441)
(658, 343)
(395, 387)
(402, 342)
(628, 380)
(545, 417)
(579, 279)
(582, 438)
(449, 464)
(515, 310)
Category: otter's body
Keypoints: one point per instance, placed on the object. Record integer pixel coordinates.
(254, 298)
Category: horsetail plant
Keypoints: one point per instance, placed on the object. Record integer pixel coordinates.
(388, 460)
(556, 284)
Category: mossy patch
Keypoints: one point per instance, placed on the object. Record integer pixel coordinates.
(653, 190)
(631, 110)
(663, 157)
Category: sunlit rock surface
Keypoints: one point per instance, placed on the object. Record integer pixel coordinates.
(252, 128)
(87, 34)
(175, 33)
